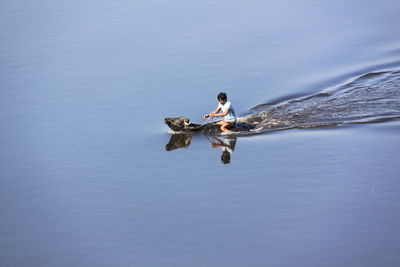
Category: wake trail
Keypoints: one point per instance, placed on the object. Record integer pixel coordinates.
(373, 97)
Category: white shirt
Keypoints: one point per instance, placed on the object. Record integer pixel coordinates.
(231, 114)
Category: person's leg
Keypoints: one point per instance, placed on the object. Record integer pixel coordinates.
(224, 126)
(220, 123)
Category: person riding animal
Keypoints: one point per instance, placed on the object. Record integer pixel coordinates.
(227, 112)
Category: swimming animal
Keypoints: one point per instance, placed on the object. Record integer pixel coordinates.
(183, 124)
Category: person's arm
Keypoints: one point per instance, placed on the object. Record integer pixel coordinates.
(213, 113)
(219, 143)
(223, 114)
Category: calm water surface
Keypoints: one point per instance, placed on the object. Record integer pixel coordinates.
(85, 176)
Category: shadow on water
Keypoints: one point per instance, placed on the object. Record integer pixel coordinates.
(227, 144)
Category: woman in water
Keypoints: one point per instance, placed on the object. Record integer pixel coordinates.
(228, 113)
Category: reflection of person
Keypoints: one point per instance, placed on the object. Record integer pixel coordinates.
(227, 145)
(227, 112)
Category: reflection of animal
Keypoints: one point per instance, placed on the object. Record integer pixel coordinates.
(178, 141)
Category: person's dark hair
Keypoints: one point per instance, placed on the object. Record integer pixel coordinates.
(222, 96)
(226, 157)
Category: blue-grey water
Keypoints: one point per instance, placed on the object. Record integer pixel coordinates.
(89, 175)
